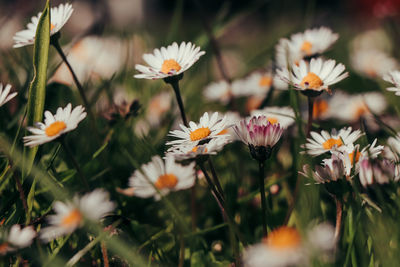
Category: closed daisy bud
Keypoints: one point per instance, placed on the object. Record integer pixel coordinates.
(5, 95)
(65, 120)
(59, 16)
(170, 61)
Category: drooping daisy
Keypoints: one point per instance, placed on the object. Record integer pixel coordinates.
(218, 91)
(259, 134)
(56, 125)
(332, 169)
(317, 75)
(350, 108)
(16, 238)
(166, 176)
(71, 215)
(372, 63)
(324, 142)
(283, 115)
(192, 152)
(59, 16)
(394, 78)
(170, 61)
(380, 171)
(5, 95)
(282, 247)
(208, 127)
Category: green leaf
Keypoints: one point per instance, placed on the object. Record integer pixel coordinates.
(37, 88)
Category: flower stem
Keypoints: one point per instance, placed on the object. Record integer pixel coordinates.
(339, 211)
(74, 162)
(175, 86)
(310, 114)
(262, 193)
(215, 178)
(104, 253)
(22, 196)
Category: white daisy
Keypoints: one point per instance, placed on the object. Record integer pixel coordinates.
(256, 84)
(170, 61)
(283, 115)
(17, 237)
(282, 247)
(70, 215)
(158, 106)
(286, 55)
(182, 152)
(59, 16)
(350, 108)
(324, 142)
(5, 95)
(54, 126)
(380, 171)
(332, 169)
(317, 75)
(322, 109)
(218, 91)
(372, 63)
(207, 128)
(394, 143)
(394, 78)
(164, 176)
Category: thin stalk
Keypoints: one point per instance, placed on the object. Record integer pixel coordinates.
(104, 253)
(55, 43)
(339, 212)
(22, 195)
(181, 250)
(215, 178)
(310, 114)
(74, 162)
(193, 206)
(175, 86)
(262, 193)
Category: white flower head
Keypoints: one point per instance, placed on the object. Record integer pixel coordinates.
(256, 84)
(332, 169)
(317, 75)
(59, 16)
(5, 95)
(170, 61)
(158, 106)
(165, 176)
(372, 63)
(318, 144)
(283, 115)
(394, 78)
(377, 171)
(286, 55)
(207, 128)
(218, 91)
(70, 215)
(17, 237)
(65, 120)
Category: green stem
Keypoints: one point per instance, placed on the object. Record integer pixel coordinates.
(215, 178)
(262, 193)
(175, 86)
(310, 114)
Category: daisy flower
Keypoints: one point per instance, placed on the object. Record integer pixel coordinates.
(372, 63)
(181, 153)
(380, 171)
(286, 54)
(158, 107)
(256, 84)
(207, 128)
(59, 16)
(170, 61)
(17, 237)
(164, 176)
(394, 78)
(5, 95)
(394, 143)
(218, 91)
(317, 75)
(70, 215)
(332, 169)
(54, 126)
(282, 115)
(320, 143)
(350, 108)
(322, 109)
(259, 134)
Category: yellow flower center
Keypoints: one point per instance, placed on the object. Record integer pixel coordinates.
(352, 159)
(253, 103)
(197, 148)
(52, 26)
(306, 47)
(265, 81)
(283, 238)
(72, 219)
(200, 133)
(170, 65)
(320, 107)
(361, 110)
(166, 181)
(328, 144)
(272, 120)
(224, 131)
(311, 81)
(55, 128)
